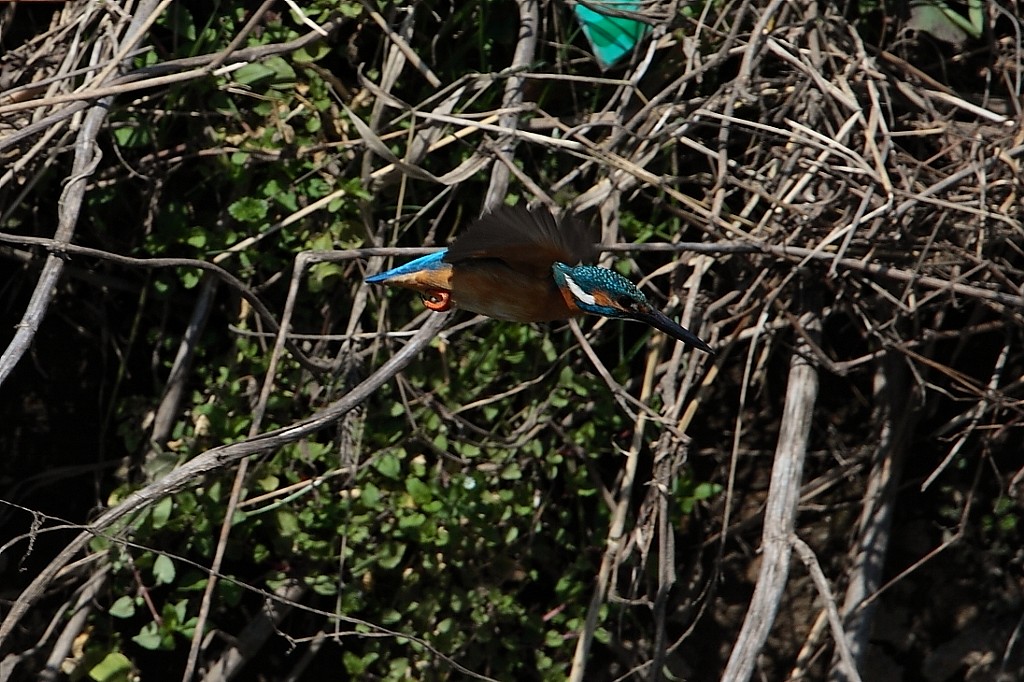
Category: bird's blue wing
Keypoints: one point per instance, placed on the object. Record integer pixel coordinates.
(411, 272)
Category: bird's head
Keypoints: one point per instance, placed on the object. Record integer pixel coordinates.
(599, 291)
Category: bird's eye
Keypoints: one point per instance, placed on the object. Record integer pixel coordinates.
(626, 302)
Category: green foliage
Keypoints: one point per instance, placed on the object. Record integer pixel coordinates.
(689, 493)
(938, 19)
(115, 667)
(248, 210)
(1001, 527)
(463, 514)
(162, 634)
(949, 22)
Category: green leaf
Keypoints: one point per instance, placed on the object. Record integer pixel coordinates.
(130, 136)
(418, 490)
(468, 449)
(253, 72)
(370, 496)
(311, 53)
(399, 668)
(391, 554)
(287, 523)
(163, 570)
(124, 607)
(115, 667)
(388, 466)
(149, 637)
(512, 472)
(249, 210)
(274, 72)
(323, 585)
(350, 9)
(190, 278)
(284, 74)
(321, 274)
(162, 512)
(939, 20)
(414, 520)
(706, 490)
(174, 614)
(554, 639)
(356, 665)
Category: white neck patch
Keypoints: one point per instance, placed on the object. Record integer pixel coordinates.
(579, 293)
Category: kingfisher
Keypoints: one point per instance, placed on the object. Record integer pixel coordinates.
(524, 265)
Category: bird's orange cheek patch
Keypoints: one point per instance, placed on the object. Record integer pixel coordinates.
(437, 300)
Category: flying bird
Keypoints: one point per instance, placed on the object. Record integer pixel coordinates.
(523, 265)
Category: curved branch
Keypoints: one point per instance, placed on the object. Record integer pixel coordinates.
(215, 459)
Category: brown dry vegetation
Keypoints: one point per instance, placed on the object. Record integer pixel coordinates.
(834, 201)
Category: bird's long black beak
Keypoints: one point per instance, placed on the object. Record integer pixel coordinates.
(659, 320)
